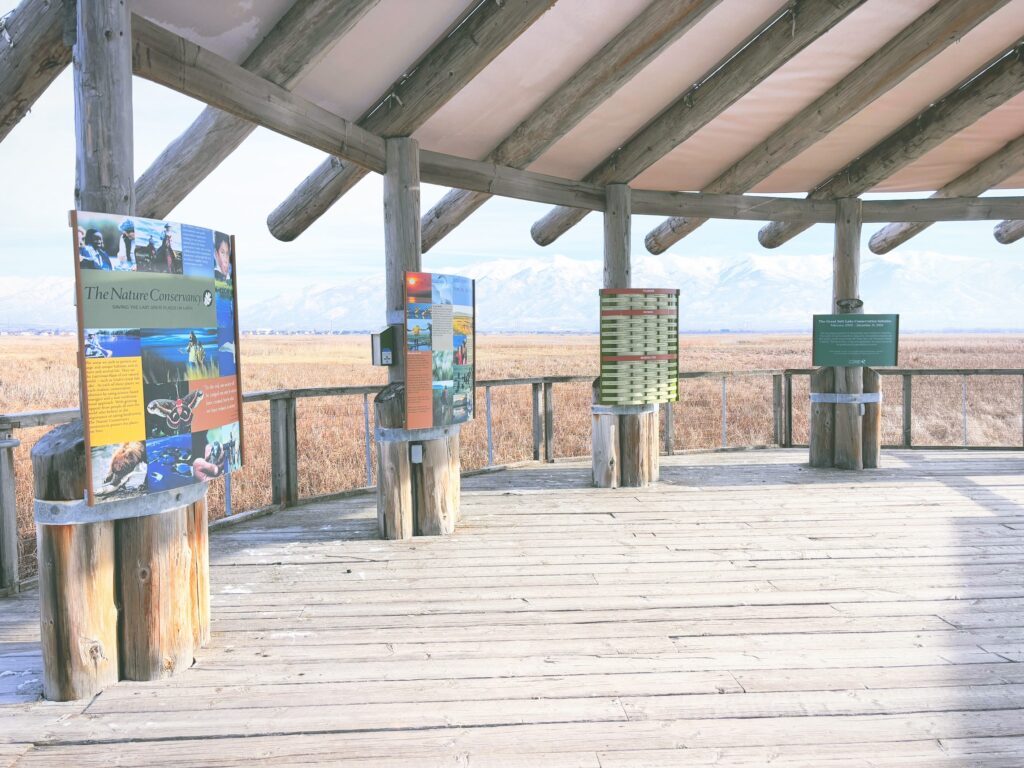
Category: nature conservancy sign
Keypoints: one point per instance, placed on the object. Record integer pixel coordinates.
(158, 346)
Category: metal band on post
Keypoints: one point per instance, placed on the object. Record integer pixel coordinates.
(624, 410)
(396, 435)
(844, 399)
(78, 512)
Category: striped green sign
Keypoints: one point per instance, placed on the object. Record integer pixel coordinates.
(639, 346)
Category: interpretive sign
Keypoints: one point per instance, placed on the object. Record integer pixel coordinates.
(856, 340)
(158, 354)
(440, 359)
(639, 346)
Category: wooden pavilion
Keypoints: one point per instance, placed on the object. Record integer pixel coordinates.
(745, 610)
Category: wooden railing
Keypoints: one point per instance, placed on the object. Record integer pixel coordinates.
(284, 474)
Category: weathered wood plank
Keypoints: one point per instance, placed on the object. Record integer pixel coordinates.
(35, 47)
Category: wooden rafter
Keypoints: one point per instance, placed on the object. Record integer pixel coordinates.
(656, 27)
(918, 43)
(1009, 231)
(168, 59)
(409, 102)
(984, 91)
(989, 172)
(777, 42)
(35, 47)
(299, 41)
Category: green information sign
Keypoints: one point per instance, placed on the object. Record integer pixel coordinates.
(856, 340)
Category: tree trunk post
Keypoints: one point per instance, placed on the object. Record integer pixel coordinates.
(848, 451)
(418, 497)
(604, 442)
(77, 580)
(872, 421)
(822, 435)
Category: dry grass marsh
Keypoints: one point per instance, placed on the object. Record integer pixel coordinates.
(40, 373)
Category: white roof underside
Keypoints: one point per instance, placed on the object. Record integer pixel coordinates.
(396, 33)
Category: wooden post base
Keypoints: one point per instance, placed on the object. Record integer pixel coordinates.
(842, 436)
(124, 599)
(625, 448)
(414, 498)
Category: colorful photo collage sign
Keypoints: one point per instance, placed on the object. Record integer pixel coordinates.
(639, 346)
(439, 331)
(158, 352)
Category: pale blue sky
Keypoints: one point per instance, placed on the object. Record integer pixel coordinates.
(37, 165)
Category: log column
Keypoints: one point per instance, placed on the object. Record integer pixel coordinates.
(77, 581)
(848, 451)
(624, 446)
(421, 496)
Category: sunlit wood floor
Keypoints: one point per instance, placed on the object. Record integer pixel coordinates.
(746, 611)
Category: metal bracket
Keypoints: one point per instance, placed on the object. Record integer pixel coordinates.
(395, 435)
(624, 410)
(832, 397)
(78, 512)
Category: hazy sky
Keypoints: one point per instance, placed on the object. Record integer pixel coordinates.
(37, 166)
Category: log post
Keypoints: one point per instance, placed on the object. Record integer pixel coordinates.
(848, 450)
(401, 239)
(199, 573)
(436, 486)
(653, 447)
(604, 444)
(872, 421)
(634, 453)
(77, 598)
(154, 583)
(395, 512)
(8, 511)
(822, 437)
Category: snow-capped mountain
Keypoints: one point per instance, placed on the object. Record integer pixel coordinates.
(756, 292)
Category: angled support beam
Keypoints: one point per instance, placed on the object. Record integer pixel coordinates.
(409, 102)
(655, 28)
(781, 39)
(917, 44)
(296, 44)
(35, 47)
(989, 172)
(984, 91)
(1009, 231)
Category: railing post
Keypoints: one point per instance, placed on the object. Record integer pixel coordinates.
(788, 425)
(777, 408)
(908, 410)
(538, 421)
(8, 511)
(490, 433)
(725, 417)
(669, 429)
(283, 458)
(549, 421)
(964, 402)
(367, 440)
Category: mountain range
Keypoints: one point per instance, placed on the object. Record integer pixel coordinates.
(754, 292)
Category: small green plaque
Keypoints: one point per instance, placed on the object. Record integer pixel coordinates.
(856, 340)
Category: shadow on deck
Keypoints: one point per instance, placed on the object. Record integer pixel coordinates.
(746, 610)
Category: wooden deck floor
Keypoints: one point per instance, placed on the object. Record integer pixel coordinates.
(747, 611)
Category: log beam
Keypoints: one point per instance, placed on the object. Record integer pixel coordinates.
(409, 102)
(296, 44)
(1009, 231)
(35, 47)
(783, 36)
(989, 172)
(918, 43)
(655, 28)
(104, 180)
(992, 86)
(848, 451)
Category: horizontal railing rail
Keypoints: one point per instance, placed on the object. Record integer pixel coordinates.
(284, 473)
